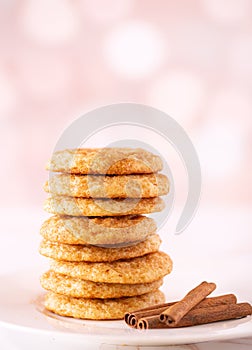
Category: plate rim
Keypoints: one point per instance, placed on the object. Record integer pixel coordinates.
(124, 340)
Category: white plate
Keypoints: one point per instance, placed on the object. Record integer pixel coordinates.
(25, 322)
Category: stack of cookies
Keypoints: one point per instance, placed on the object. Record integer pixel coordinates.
(105, 257)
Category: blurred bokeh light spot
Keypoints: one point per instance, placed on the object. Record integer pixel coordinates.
(106, 10)
(228, 10)
(49, 21)
(180, 94)
(134, 49)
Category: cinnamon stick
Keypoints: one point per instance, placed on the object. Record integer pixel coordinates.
(200, 316)
(151, 322)
(131, 318)
(174, 313)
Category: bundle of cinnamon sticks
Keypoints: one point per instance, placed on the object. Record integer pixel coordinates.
(195, 308)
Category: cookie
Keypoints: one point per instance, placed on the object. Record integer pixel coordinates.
(102, 207)
(123, 186)
(145, 269)
(100, 309)
(91, 253)
(103, 231)
(78, 288)
(110, 161)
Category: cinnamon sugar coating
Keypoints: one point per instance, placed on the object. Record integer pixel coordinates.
(123, 186)
(144, 269)
(79, 288)
(111, 161)
(102, 207)
(91, 253)
(100, 309)
(114, 230)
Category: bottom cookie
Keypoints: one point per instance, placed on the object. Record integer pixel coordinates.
(100, 309)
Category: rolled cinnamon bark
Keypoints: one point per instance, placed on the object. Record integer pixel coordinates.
(174, 313)
(215, 313)
(200, 316)
(132, 318)
(151, 322)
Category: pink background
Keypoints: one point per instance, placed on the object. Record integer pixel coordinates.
(190, 58)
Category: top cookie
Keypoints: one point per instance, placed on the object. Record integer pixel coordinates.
(110, 161)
